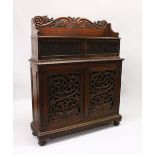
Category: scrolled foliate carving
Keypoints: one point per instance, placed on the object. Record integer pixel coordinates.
(41, 20)
(101, 91)
(64, 96)
(71, 26)
(72, 22)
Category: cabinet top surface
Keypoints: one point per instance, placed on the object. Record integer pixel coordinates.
(43, 27)
(84, 60)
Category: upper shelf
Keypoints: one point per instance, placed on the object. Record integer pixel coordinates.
(68, 26)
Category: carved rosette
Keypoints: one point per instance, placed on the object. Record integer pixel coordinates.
(101, 91)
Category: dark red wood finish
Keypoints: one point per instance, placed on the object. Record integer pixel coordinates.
(75, 76)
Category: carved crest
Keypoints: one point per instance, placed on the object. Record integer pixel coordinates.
(71, 22)
(71, 26)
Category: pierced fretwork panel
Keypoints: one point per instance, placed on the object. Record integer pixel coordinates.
(102, 46)
(64, 96)
(101, 91)
(60, 48)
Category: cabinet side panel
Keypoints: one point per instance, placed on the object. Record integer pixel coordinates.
(34, 46)
(118, 86)
(34, 89)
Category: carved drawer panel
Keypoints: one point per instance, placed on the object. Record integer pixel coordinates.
(60, 47)
(102, 46)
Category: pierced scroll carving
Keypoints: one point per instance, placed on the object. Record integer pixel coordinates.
(71, 22)
(64, 96)
(101, 91)
(71, 26)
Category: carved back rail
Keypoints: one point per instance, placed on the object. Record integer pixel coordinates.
(68, 26)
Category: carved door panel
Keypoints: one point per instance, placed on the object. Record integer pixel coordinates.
(102, 89)
(65, 95)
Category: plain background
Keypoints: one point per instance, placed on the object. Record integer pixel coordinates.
(125, 16)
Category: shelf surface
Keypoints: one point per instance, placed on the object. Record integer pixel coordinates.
(60, 61)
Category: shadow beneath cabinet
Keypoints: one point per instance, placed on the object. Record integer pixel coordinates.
(78, 134)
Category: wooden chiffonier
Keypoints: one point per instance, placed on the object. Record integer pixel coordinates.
(75, 76)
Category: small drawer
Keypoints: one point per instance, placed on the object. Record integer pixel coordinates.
(102, 46)
(49, 48)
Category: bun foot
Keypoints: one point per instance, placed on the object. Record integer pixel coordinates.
(116, 123)
(33, 133)
(42, 143)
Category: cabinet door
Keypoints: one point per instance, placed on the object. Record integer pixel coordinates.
(64, 100)
(102, 89)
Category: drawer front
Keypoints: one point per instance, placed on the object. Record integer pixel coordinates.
(49, 48)
(103, 90)
(64, 48)
(102, 47)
